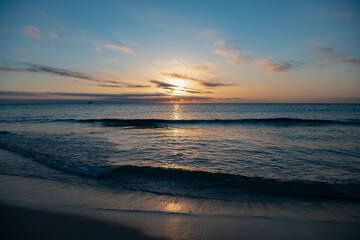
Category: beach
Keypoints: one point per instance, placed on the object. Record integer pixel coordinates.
(39, 209)
(179, 171)
(180, 120)
(24, 223)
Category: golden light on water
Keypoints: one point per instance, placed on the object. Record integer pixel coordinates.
(173, 207)
(176, 112)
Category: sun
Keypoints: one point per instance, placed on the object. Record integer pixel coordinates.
(178, 91)
(178, 82)
(180, 88)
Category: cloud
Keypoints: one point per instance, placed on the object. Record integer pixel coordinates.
(110, 86)
(277, 67)
(226, 53)
(215, 84)
(179, 76)
(121, 86)
(32, 31)
(120, 48)
(28, 97)
(54, 35)
(172, 87)
(210, 31)
(163, 84)
(78, 74)
(347, 15)
(234, 57)
(7, 69)
(324, 49)
(127, 95)
(224, 42)
(36, 33)
(331, 55)
(97, 95)
(220, 43)
(63, 97)
(115, 47)
(129, 85)
(239, 61)
(201, 68)
(206, 83)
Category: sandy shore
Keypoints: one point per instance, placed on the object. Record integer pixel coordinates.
(24, 223)
(41, 209)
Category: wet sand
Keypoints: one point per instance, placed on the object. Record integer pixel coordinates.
(41, 209)
(24, 223)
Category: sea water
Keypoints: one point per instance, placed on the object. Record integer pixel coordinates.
(213, 151)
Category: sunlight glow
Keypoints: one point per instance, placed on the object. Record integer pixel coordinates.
(180, 88)
(173, 207)
(178, 91)
(179, 82)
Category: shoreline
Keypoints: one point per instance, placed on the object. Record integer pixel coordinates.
(40, 208)
(25, 223)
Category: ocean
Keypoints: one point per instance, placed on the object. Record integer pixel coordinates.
(230, 152)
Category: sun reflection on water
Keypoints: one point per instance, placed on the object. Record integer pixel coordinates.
(177, 112)
(173, 207)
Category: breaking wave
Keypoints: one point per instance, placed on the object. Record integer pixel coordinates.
(196, 183)
(156, 123)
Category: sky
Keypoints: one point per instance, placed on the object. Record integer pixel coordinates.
(180, 51)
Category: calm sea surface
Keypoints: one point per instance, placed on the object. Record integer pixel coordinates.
(221, 151)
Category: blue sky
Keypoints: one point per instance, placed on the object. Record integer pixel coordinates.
(181, 51)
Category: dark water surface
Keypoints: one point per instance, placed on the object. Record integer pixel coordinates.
(220, 151)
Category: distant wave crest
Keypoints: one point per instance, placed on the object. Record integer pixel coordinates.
(157, 123)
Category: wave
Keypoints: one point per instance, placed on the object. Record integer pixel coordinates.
(179, 182)
(195, 183)
(4, 133)
(230, 186)
(158, 123)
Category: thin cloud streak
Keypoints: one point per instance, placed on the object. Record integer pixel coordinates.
(277, 67)
(32, 31)
(224, 42)
(331, 55)
(54, 35)
(47, 97)
(78, 74)
(233, 56)
(14, 97)
(201, 68)
(96, 95)
(115, 47)
(206, 83)
(172, 87)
